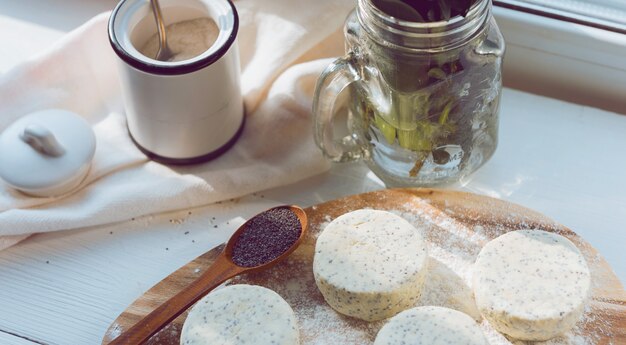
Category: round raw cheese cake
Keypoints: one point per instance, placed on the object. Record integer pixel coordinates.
(370, 264)
(531, 284)
(241, 314)
(431, 326)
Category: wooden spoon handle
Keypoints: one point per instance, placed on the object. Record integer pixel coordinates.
(221, 270)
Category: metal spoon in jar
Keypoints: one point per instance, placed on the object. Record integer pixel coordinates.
(261, 242)
(163, 53)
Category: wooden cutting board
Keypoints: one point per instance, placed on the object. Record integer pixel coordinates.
(456, 224)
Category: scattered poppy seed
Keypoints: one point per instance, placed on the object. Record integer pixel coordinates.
(186, 232)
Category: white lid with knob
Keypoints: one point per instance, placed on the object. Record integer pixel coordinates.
(46, 153)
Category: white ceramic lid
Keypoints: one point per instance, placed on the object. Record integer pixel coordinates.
(46, 153)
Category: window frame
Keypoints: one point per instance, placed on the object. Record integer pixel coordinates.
(563, 57)
(554, 13)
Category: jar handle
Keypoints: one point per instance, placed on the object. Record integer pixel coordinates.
(337, 76)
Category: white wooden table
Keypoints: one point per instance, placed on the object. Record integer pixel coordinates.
(564, 160)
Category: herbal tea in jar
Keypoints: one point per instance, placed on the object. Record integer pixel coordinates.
(425, 80)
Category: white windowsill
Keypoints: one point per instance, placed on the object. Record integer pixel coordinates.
(564, 60)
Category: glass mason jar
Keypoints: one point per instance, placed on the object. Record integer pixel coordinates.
(424, 97)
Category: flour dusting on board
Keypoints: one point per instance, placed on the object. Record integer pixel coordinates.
(577, 336)
(454, 243)
(455, 247)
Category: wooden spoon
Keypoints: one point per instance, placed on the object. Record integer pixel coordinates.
(222, 269)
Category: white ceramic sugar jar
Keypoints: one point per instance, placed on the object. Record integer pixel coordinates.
(179, 112)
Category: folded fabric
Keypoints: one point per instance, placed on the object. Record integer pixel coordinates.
(283, 49)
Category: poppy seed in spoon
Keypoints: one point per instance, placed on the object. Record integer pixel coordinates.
(266, 237)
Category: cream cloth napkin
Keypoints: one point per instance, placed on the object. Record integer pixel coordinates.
(284, 45)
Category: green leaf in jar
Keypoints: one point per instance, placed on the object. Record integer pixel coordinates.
(413, 140)
(405, 111)
(388, 131)
(437, 73)
(443, 118)
(419, 139)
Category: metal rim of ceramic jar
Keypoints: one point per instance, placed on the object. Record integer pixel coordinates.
(173, 69)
